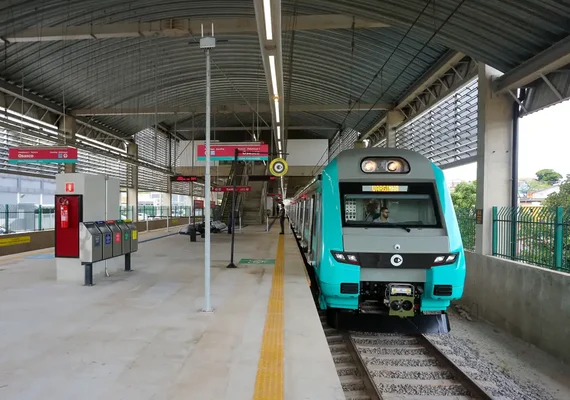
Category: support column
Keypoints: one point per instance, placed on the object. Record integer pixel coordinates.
(68, 127)
(494, 169)
(394, 119)
(168, 196)
(133, 182)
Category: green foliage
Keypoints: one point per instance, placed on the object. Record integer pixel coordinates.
(535, 186)
(548, 176)
(464, 195)
(560, 199)
(466, 221)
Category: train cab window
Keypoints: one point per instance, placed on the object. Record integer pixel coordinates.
(377, 208)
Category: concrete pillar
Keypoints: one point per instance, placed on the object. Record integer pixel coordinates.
(68, 126)
(393, 120)
(133, 182)
(494, 141)
(167, 202)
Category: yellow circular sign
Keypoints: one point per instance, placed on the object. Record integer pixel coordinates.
(278, 167)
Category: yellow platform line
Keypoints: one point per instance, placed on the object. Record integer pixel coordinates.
(269, 380)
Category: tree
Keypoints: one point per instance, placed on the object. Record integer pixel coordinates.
(548, 176)
(464, 195)
(560, 199)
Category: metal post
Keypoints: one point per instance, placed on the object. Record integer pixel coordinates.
(233, 223)
(515, 180)
(88, 274)
(207, 43)
(128, 262)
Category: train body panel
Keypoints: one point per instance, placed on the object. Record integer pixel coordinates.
(360, 255)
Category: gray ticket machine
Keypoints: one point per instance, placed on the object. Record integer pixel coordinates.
(90, 243)
(126, 235)
(106, 238)
(134, 236)
(117, 238)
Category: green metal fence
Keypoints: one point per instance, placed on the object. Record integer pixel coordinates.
(25, 217)
(466, 221)
(534, 235)
(16, 218)
(155, 212)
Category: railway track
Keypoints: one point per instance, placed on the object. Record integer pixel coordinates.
(382, 366)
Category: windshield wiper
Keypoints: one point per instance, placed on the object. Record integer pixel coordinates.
(401, 226)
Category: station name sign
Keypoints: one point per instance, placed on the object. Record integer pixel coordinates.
(42, 155)
(246, 152)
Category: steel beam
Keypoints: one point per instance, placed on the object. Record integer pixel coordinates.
(90, 128)
(450, 73)
(224, 109)
(262, 128)
(549, 60)
(179, 27)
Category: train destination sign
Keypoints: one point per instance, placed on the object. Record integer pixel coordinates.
(239, 189)
(384, 188)
(43, 155)
(246, 152)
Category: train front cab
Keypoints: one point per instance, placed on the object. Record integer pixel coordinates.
(416, 257)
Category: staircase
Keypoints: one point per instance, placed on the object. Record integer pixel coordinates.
(252, 209)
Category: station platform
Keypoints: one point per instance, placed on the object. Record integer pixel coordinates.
(142, 335)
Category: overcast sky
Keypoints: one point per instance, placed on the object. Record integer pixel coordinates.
(544, 142)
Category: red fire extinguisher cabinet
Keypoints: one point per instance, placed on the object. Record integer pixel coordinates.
(68, 216)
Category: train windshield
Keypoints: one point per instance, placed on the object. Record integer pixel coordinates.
(409, 205)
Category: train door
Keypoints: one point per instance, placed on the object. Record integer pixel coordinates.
(318, 231)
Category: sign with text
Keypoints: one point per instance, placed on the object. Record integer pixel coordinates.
(261, 178)
(199, 204)
(239, 189)
(36, 154)
(183, 178)
(246, 152)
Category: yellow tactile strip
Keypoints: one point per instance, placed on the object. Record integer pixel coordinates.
(269, 380)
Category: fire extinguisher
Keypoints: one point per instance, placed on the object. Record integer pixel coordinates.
(64, 213)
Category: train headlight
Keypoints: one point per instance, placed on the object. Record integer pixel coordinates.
(445, 259)
(368, 166)
(345, 258)
(375, 165)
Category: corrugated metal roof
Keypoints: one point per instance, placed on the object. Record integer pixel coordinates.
(147, 72)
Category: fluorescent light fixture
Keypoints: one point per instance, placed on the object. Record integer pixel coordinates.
(267, 13)
(273, 71)
(278, 133)
(277, 115)
(279, 143)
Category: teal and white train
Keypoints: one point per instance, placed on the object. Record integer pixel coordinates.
(380, 235)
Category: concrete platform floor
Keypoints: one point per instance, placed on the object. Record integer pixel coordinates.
(141, 335)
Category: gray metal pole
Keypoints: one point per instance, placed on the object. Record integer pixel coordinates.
(207, 43)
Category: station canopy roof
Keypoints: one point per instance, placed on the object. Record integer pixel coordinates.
(133, 64)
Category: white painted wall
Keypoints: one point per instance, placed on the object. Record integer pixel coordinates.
(307, 152)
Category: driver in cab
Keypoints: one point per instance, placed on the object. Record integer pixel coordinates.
(373, 216)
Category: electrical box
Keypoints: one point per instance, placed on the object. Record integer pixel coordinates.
(117, 237)
(126, 234)
(134, 236)
(90, 243)
(106, 239)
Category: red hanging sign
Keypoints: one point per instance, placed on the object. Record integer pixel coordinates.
(239, 189)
